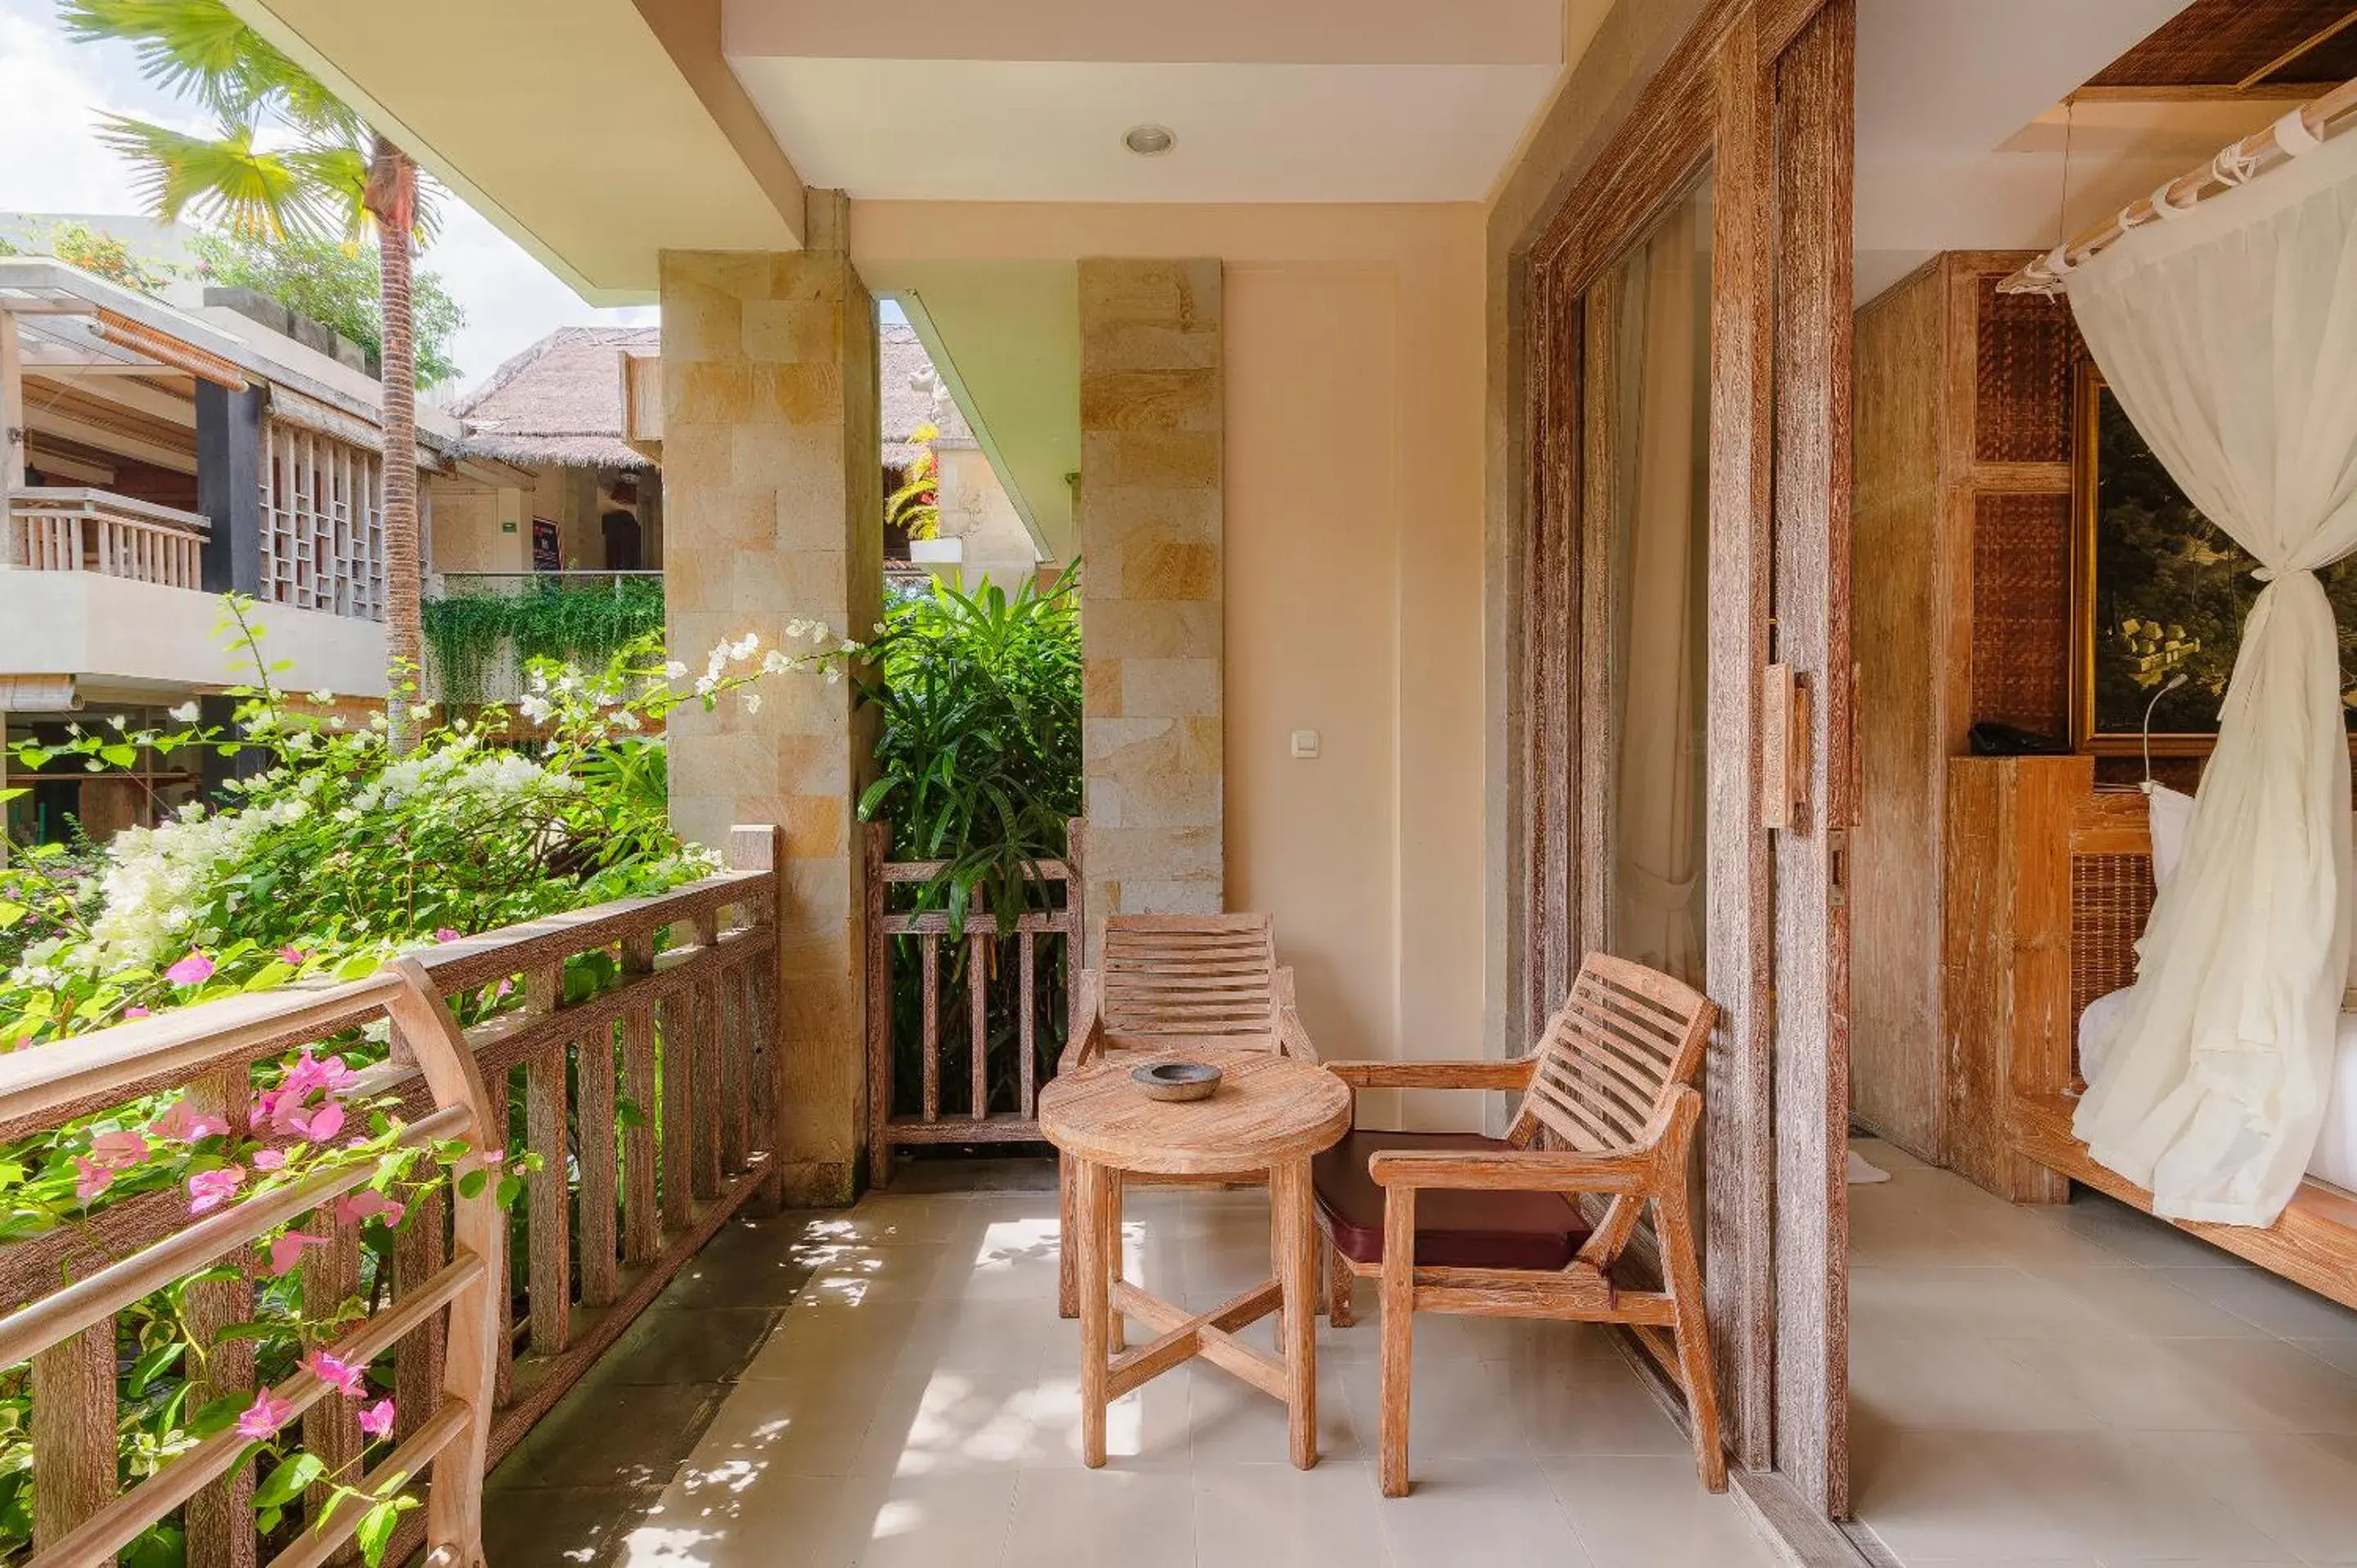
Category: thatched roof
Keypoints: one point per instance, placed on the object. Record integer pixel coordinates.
(559, 401)
(913, 394)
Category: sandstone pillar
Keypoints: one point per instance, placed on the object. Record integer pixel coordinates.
(1150, 504)
(773, 503)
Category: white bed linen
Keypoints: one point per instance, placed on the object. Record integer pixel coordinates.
(2335, 1159)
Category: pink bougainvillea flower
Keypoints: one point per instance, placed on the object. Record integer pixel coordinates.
(310, 1074)
(338, 1374)
(495, 1156)
(131, 1013)
(501, 992)
(368, 1204)
(269, 1159)
(182, 1125)
(376, 1420)
(118, 1149)
(193, 970)
(322, 1125)
(445, 935)
(91, 1178)
(287, 1251)
(264, 1416)
(292, 955)
(208, 1190)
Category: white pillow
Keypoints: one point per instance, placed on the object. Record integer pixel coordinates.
(2169, 814)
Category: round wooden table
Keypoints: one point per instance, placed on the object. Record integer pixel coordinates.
(1271, 1113)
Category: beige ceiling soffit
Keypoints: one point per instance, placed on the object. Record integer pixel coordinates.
(298, 49)
(913, 306)
(126, 333)
(689, 31)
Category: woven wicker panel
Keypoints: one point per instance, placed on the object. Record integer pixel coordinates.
(2027, 355)
(2111, 895)
(2021, 611)
(2216, 42)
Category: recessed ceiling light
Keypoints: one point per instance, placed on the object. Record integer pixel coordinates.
(1147, 141)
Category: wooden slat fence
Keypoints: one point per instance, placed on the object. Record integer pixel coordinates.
(614, 1211)
(985, 1119)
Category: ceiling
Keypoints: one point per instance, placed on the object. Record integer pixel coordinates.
(592, 131)
(1312, 101)
(1970, 138)
(2237, 43)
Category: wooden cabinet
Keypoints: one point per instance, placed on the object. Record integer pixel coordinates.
(2005, 962)
(1961, 578)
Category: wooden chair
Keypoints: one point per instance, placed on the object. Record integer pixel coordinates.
(1456, 1222)
(1167, 981)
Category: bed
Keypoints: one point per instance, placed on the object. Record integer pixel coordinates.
(2099, 894)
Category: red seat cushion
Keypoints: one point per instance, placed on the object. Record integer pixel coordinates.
(1453, 1229)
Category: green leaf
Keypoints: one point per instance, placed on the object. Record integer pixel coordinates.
(376, 1531)
(472, 1185)
(11, 913)
(120, 756)
(285, 1483)
(219, 1414)
(148, 1367)
(510, 1190)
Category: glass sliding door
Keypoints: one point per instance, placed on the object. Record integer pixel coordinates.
(1646, 496)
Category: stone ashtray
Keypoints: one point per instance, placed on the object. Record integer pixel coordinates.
(1177, 1081)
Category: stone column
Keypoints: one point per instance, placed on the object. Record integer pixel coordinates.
(1151, 510)
(773, 503)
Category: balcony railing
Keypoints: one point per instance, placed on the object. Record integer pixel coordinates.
(650, 1104)
(52, 530)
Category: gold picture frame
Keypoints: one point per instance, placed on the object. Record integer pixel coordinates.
(2178, 593)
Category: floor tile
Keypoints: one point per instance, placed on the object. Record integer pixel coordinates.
(1138, 1519)
(1652, 1513)
(1480, 1513)
(1274, 1516)
(2269, 1300)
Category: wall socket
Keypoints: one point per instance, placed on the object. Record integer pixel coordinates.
(1304, 743)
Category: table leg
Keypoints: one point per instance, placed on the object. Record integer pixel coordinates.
(1095, 1280)
(1117, 1334)
(1296, 1264)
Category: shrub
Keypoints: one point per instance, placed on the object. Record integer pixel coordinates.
(332, 857)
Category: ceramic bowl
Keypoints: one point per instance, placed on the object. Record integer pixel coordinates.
(1177, 1081)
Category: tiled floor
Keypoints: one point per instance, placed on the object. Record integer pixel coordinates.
(2085, 1386)
(918, 1403)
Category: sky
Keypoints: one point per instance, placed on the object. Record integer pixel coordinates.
(52, 91)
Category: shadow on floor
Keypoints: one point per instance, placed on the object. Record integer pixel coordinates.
(591, 1470)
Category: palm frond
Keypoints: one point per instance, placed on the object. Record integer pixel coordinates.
(194, 49)
(224, 179)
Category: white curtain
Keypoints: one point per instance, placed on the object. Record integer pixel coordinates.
(1658, 661)
(2229, 332)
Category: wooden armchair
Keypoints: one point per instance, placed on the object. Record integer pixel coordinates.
(1456, 1222)
(1174, 982)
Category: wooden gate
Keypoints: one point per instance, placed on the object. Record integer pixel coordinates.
(891, 1125)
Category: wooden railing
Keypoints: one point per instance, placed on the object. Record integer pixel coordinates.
(651, 1187)
(92, 530)
(889, 1125)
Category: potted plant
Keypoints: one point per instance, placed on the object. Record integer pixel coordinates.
(916, 506)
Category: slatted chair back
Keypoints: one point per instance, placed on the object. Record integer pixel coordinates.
(1608, 1072)
(1195, 975)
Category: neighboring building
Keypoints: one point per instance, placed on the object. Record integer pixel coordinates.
(977, 512)
(573, 495)
(159, 455)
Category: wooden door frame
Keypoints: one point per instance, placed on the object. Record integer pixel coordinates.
(1759, 92)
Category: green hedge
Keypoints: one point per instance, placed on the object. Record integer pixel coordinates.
(579, 622)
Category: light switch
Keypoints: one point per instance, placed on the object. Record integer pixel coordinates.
(1304, 743)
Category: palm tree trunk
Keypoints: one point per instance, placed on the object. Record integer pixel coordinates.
(392, 202)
